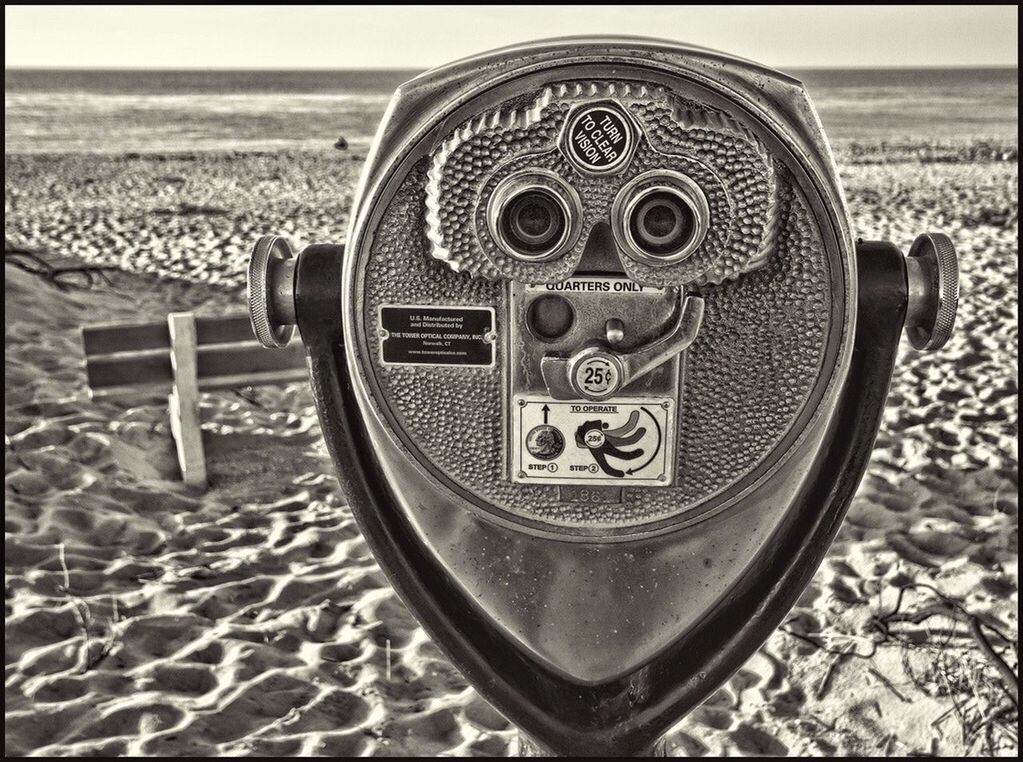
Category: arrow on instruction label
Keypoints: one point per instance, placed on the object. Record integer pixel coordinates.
(546, 412)
(653, 418)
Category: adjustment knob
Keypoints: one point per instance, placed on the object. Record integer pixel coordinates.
(271, 286)
(932, 272)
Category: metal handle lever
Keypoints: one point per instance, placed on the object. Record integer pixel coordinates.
(596, 372)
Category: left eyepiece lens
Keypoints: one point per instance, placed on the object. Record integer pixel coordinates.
(533, 222)
(534, 218)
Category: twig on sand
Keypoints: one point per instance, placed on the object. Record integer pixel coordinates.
(252, 400)
(889, 685)
(83, 615)
(1009, 678)
(834, 651)
(985, 705)
(81, 610)
(937, 722)
(889, 744)
(63, 565)
(960, 709)
(955, 610)
(825, 683)
(61, 278)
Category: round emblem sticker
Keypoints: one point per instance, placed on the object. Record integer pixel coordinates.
(594, 439)
(599, 139)
(596, 377)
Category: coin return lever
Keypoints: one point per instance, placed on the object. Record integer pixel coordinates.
(596, 371)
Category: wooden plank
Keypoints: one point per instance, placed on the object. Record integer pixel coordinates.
(186, 425)
(229, 329)
(248, 359)
(125, 337)
(127, 392)
(154, 368)
(147, 368)
(135, 337)
(275, 378)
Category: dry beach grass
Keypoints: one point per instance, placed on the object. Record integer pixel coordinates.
(145, 619)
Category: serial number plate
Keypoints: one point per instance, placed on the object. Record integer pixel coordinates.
(431, 335)
(621, 441)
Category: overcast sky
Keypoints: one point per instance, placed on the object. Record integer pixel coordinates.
(423, 36)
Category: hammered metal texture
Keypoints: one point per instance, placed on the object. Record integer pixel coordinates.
(724, 157)
(748, 376)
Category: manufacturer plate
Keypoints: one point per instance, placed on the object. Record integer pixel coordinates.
(626, 440)
(432, 335)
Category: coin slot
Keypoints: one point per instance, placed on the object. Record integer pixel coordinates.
(550, 317)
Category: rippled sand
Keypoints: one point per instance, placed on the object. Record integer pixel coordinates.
(145, 619)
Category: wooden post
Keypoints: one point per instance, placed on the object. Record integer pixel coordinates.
(186, 426)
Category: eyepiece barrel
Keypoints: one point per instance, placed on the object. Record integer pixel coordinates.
(535, 216)
(660, 218)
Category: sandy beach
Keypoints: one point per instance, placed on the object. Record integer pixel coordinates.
(142, 618)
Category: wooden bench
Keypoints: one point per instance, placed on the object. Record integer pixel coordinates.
(183, 357)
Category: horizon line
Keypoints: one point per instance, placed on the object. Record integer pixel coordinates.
(782, 67)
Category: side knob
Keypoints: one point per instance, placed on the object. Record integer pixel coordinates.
(932, 271)
(271, 286)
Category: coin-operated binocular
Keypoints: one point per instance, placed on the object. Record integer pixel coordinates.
(600, 367)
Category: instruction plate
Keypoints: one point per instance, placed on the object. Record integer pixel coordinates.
(621, 441)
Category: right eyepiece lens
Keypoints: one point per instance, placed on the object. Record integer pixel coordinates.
(662, 223)
(660, 218)
(534, 222)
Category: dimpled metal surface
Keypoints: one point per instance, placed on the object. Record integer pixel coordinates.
(724, 157)
(748, 376)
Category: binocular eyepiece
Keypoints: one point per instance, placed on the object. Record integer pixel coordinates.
(659, 218)
(535, 217)
(600, 366)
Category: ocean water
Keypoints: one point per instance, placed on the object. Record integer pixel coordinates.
(60, 111)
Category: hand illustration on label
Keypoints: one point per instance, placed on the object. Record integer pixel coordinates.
(603, 442)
